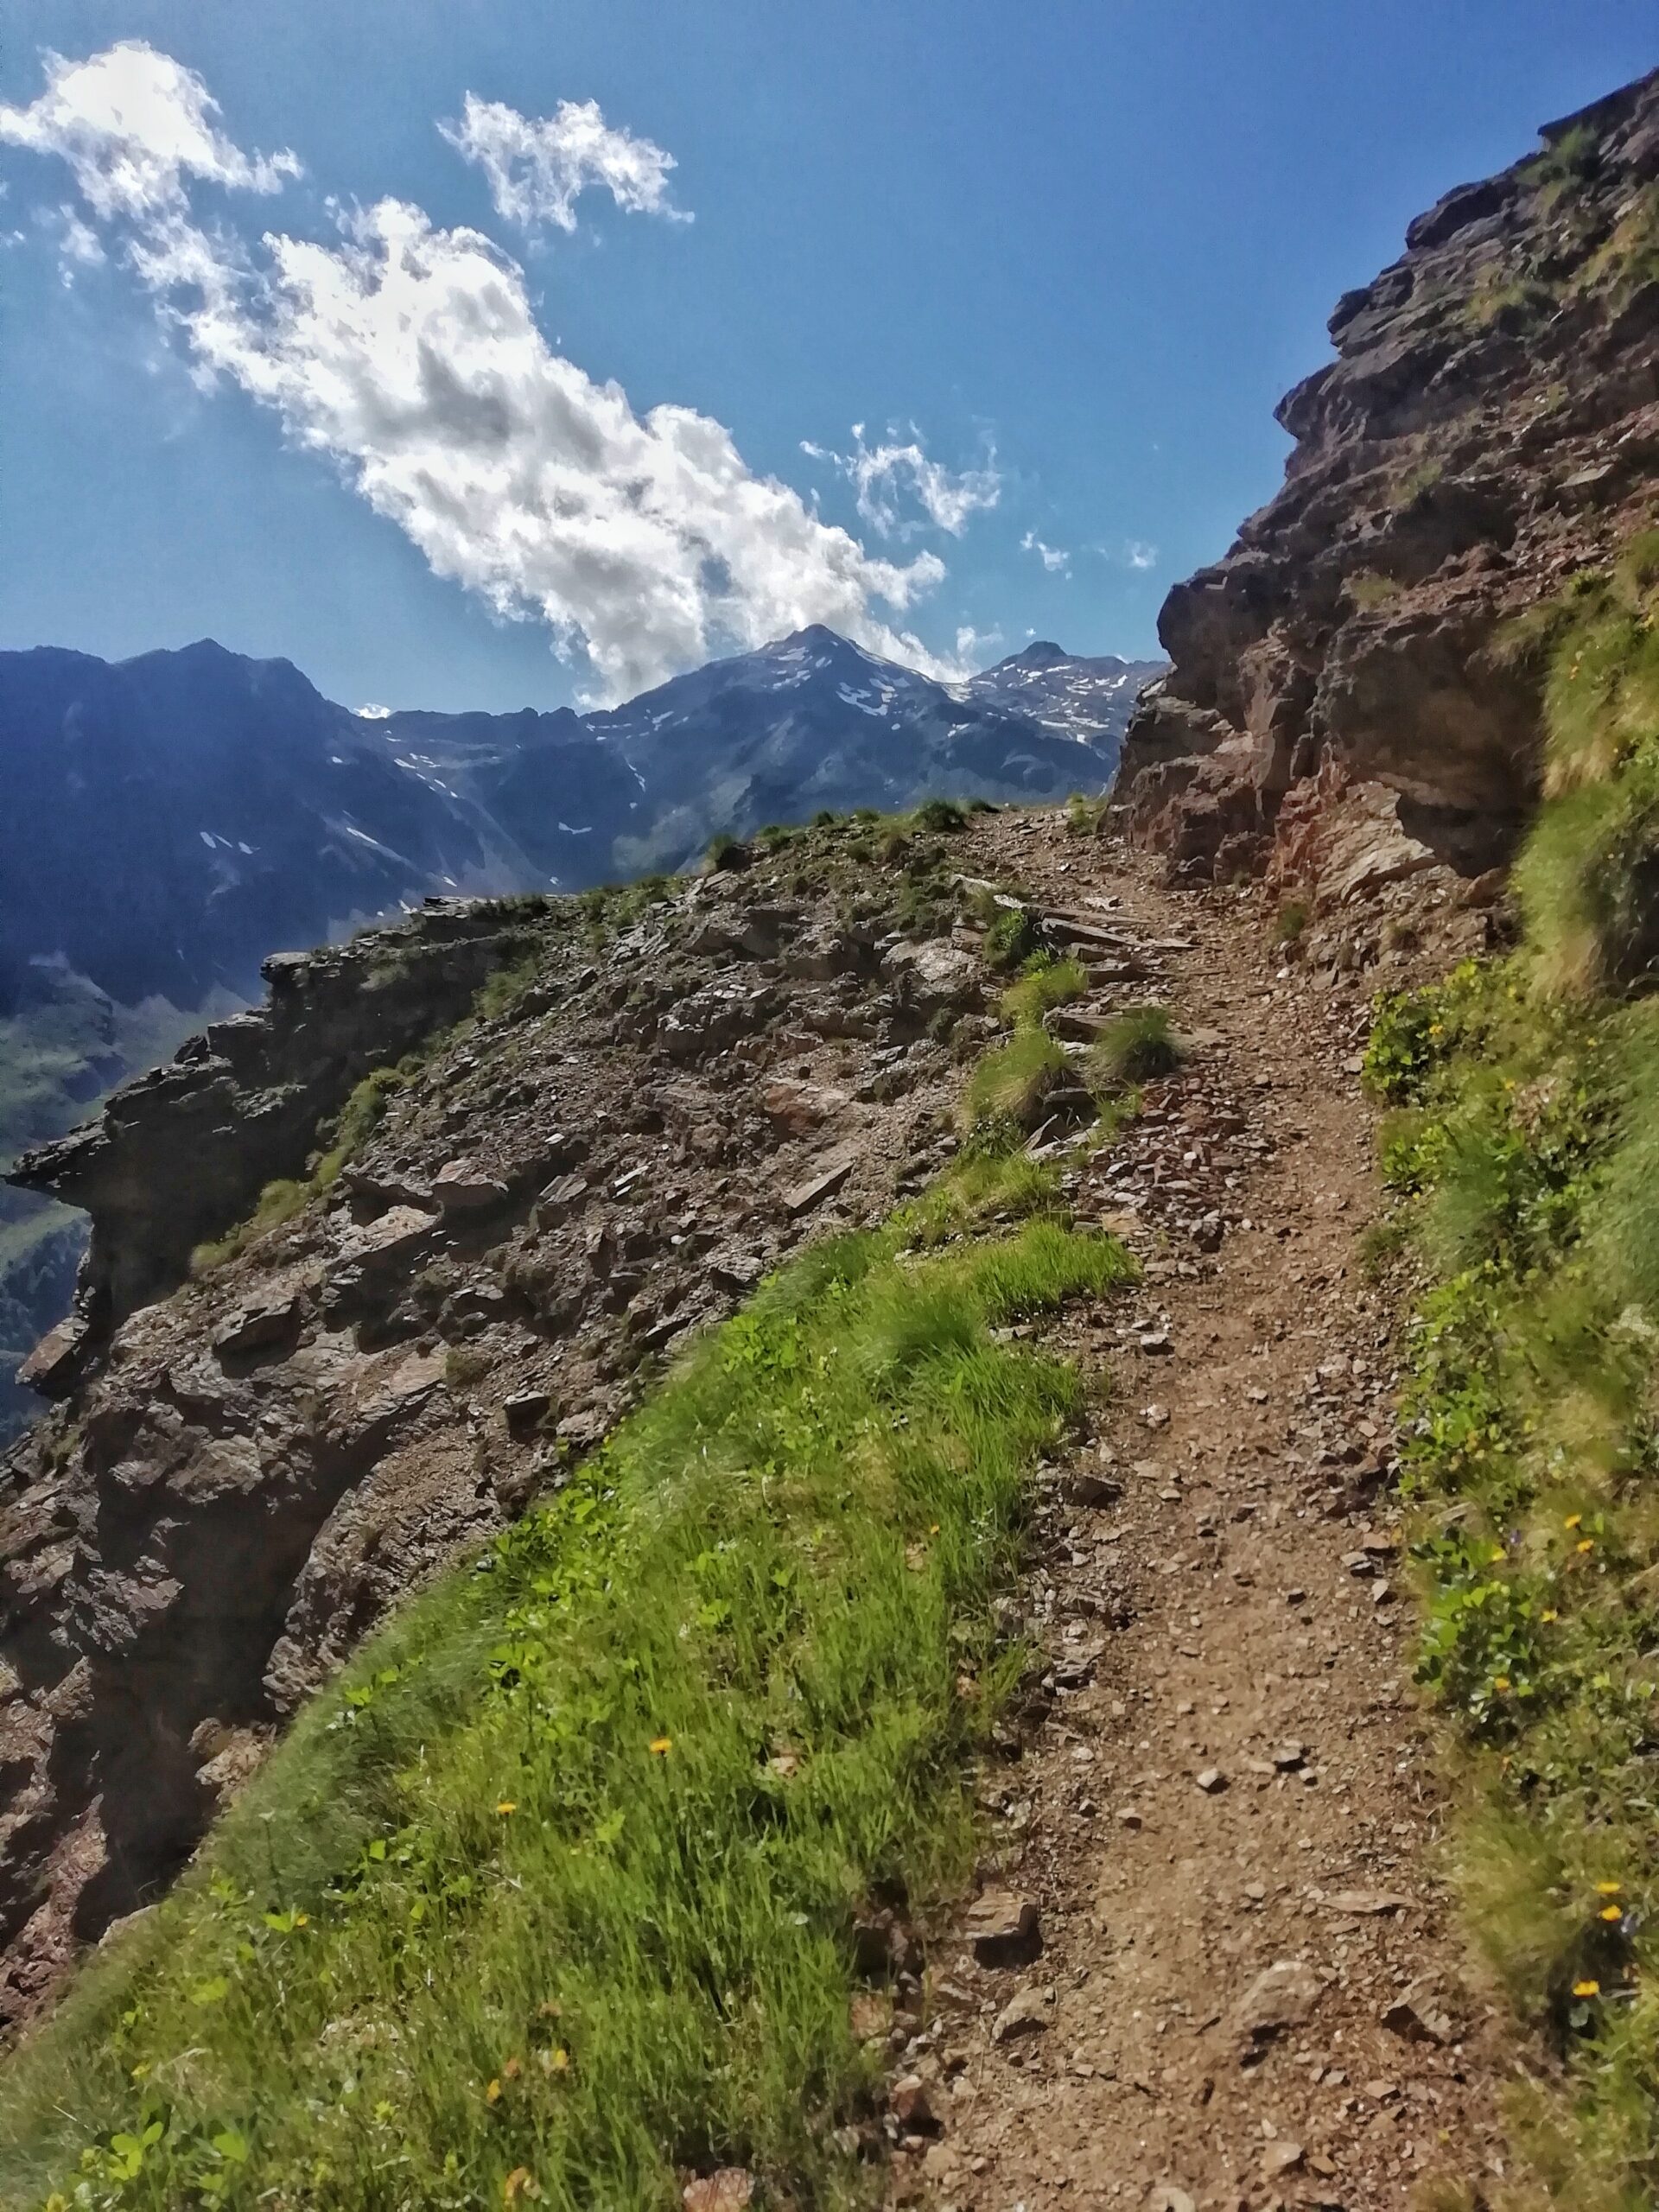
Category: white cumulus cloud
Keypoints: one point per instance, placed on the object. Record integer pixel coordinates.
(1054, 558)
(1140, 555)
(410, 356)
(884, 475)
(538, 167)
(133, 125)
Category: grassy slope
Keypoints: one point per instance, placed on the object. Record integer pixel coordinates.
(557, 1892)
(1525, 1148)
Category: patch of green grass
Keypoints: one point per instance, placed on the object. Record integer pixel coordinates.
(941, 815)
(1134, 1046)
(1010, 1084)
(1086, 817)
(1049, 983)
(1290, 923)
(554, 1897)
(1526, 1136)
(1410, 483)
(1365, 589)
(1012, 936)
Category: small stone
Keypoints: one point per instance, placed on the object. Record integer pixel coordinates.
(1367, 1903)
(1280, 2157)
(1155, 1416)
(909, 2103)
(1289, 1757)
(1026, 2013)
(728, 2190)
(1282, 1996)
(1128, 1818)
(525, 1411)
(1164, 2197)
(1211, 1781)
(828, 1178)
(1414, 2016)
(1004, 1929)
(461, 1187)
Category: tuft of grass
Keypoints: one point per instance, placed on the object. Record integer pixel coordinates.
(1136, 1046)
(1586, 877)
(726, 854)
(1367, 590)
(1012, 936)
(1048, 984)
(555, 1895)
(1010, 1084)
(1086, 817)
(1290, 923)
(940, 816)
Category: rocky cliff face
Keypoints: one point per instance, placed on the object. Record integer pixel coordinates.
(1490, 426)
(656, 1094)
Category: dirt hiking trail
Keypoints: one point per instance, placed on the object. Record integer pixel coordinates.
(1248, 1994)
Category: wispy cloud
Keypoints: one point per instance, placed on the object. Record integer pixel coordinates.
(884, 477)
(410, 355)
(1140, 555)
(538, 167)
(1054, 558)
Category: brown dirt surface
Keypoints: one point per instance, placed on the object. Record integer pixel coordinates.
(1223, 1774)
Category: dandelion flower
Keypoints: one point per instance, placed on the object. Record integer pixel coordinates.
(1500, 1682)
(1613, 1912)
(1586, 1989)
(1610, 1889)
(1550, 1615)
(661, 1746)
(1587, 1545)
(493, 2093)
(1572, 1521)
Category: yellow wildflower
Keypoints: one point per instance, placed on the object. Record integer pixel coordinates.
(1586, 1989)
(1613, 1912)
(507, 1805)
(493, 2093)
(661, 1746)
(1588, 1545)
(1500, 1682)
(1551, 1615)
(1610, 1889)
(1572, 1520)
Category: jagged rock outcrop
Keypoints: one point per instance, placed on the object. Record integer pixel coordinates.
(247, 1468)
(1490, 424)
(184, 1151)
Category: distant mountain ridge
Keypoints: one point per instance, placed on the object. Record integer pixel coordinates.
(172, 819)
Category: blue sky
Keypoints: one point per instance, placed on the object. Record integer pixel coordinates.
(1058, 260)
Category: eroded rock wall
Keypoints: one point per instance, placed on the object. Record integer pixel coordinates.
(1490, 425)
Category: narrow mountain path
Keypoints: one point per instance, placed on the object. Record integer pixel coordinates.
(1248, 1993)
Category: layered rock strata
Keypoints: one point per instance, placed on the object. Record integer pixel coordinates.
(1488, 427)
